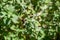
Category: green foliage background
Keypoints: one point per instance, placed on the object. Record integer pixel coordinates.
(29, 19)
